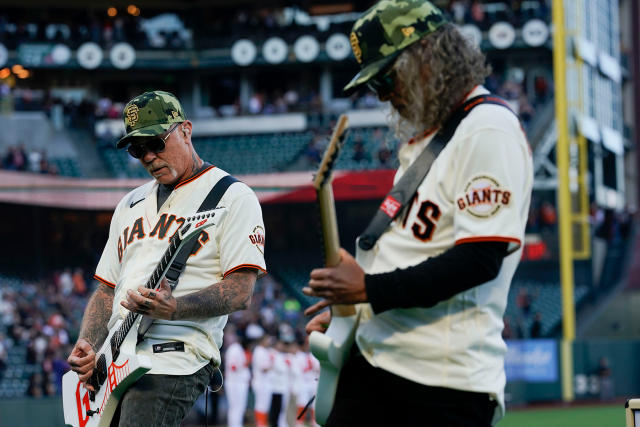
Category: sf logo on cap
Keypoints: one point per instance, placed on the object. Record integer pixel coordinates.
(132, 114)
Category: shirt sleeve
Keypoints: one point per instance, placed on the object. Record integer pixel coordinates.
(108, 269)
(491, 187)
(243, 235)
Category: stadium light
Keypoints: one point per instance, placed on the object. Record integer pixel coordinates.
(112, 11)
(4, 73)
(132, 9)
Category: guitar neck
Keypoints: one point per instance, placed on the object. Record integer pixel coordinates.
(118, 338)
(329, 226)
(331, 240)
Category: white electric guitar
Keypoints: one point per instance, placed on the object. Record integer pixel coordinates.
(117, 365)
(331, 348)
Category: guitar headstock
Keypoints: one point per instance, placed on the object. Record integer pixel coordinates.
(198, 222)
(323, 176)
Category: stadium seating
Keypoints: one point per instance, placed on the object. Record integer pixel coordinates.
(14, 382)
(262, 153)
(546, 300)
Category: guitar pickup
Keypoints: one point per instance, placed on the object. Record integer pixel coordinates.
(101, 369)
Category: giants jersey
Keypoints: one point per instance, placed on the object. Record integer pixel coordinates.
(138, 238)
(236, 364)
(478, 189)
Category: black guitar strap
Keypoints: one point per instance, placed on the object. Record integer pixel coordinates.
(405, 188)
(179, 263)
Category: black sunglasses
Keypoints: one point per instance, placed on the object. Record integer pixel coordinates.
(383, 83)
(155, 145)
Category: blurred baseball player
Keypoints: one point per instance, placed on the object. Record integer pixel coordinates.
(262, 360)
(306, 368)
(434, 287)
(280, 378)
(237, 360)
(183, 342)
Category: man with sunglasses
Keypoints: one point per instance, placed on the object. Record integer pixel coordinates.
(432, 289)
(184, 340)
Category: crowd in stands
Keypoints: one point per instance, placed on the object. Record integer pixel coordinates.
(479, 13)
(73, 28)
(41, 315)
(209, 27)
(22, 159)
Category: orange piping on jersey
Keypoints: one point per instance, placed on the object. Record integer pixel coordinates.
(424, 135)
(257, 267)
(106, 282)
(489, 239)
(193, 178)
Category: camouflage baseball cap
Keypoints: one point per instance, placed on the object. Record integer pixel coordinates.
(150, 114)
(383, 31)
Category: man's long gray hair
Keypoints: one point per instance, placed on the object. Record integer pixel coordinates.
(433, 75)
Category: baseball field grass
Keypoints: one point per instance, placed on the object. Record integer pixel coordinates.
(612, 415)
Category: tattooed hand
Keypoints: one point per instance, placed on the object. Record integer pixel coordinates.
(159, 304)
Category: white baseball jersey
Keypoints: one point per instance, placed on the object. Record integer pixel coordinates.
(262, 361)
(138, 238)
(236, 383)
(236, 364)
(306, 371)
(478, 189)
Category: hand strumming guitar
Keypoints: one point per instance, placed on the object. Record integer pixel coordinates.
(342, 284)
(158, 304)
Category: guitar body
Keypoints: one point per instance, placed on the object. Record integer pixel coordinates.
(80, 410)
(332, 351)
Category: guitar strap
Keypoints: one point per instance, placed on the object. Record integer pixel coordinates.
(405, 188)
(179, 263)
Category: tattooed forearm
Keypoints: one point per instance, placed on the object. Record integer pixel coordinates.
(96, 316)
(231, 294)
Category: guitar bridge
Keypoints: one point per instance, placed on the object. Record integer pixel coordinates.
(91, 412)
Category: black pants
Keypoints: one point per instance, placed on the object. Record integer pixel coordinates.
(369, 396)
(161, 400)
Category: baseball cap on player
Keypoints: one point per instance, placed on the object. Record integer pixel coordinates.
(150, 114)
(382, 32)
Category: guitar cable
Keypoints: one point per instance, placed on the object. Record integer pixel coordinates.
(210, 390)
(305, 408)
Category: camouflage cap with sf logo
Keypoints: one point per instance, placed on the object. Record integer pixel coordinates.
(382, 32)
(150, 114)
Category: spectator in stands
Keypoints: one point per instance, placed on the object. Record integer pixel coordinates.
(3, 354)
(36, 385)
(16, 158)
(360, 154)
(477, 14)
(606, 380)
(523, 301)
(548, 217)
(536, 326)
(313, 151)
(79, 285)
(541, 88)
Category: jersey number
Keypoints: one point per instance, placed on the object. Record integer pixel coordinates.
(428, 215)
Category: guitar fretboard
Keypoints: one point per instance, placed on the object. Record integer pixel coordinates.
(118, 337)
